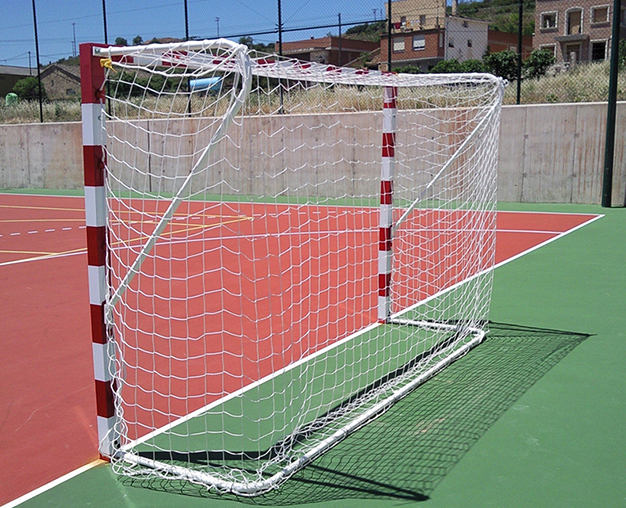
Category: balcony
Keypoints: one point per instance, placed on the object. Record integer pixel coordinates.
(572, 38)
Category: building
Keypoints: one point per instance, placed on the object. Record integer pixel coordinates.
(10, 75)
(328, 50)
(413, 15)
(576, 30)
(424, 34)
(61, 81)
(454, 38)
(501, 41)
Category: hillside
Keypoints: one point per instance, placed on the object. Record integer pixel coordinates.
(502, 14)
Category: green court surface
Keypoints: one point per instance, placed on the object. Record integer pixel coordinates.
(534, 416)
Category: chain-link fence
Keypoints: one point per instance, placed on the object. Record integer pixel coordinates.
(565, 55)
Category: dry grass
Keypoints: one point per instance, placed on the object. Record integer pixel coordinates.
(584, 83)
(28, 112)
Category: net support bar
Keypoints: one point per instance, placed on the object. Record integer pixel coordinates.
(452, 159)
(385, 246)
(234, 107)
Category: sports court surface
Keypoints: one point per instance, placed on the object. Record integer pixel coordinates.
(534, 416)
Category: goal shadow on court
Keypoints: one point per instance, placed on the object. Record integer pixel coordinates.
(405, 453)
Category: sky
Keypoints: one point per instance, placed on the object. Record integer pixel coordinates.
(62, 25)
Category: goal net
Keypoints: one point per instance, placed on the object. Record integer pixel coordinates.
(290, 247)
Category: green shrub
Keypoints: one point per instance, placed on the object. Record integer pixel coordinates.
(503, 64)
(28, 89)
(537, 63)
(446, 66)
(473, 66)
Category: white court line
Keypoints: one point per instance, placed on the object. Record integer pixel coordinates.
(82, 469)
(52, 484)
(336, 344)
(42, 258)
(593, 218)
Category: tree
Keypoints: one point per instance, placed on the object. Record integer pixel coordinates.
(120, 41)
(137, 40)
(259, 46)
(621, 51)
(537, 63)
(28, 89)
(366, 31)
(503, 64)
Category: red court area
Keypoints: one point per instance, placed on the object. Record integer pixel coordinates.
(47, 402)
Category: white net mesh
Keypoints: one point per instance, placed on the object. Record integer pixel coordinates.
(243, 256)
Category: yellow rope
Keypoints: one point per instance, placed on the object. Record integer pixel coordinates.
(108, 63)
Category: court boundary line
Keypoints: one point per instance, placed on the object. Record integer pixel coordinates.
(50, 485)
(68, 476)
(593, 218)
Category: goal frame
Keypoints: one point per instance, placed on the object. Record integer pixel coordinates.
(93, 104)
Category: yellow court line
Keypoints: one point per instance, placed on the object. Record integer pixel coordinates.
(173, 221)
(25, 207)
(39, 253)
(61, 219)
(46, 255)
(40, 257)
(185, 230)
(176, 216)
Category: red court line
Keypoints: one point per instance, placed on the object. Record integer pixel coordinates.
(47, 402)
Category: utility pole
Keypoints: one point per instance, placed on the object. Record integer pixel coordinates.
(389, 41)
(609, 146)
(74, 40)
(186, 22)
(217, 20)
(340, 55)
(520, 27)
(280, 29)
(104, 20)
(38, 64)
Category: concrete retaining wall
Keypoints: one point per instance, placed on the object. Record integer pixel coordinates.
(555, 153)
(548, 153)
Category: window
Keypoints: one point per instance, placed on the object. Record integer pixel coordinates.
(600, 14)
(422, 19)
(398, 45)
(403, 21)
(549, 47)
(450, 42)
(574, 22)
(469, 43)
(465, 25)
(419, 42)
(598, 51)
(440, 40)
(548, 20)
